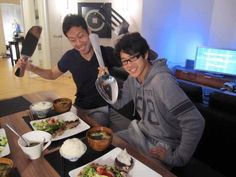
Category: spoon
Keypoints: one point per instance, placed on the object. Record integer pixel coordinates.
(14, 131)
(106, 85)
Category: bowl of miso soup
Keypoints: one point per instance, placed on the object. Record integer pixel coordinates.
(5, 166)
(99, 138)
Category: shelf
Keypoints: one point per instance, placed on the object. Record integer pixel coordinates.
(201, 78)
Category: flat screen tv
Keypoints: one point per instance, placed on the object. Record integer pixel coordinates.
(216, 61)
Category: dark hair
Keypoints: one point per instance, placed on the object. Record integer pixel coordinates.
(72, 20)
(131, 44)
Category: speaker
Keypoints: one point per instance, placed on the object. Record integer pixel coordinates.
(95, 20)
(189, 64)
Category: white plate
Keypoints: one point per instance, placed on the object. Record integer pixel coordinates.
(138, 170)
(67, 133)
(6, 149)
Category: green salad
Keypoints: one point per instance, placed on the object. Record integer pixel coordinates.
(3, 142)
(97, 170)
(49, 125)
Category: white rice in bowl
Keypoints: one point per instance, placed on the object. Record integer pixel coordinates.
(42, 105)
(72, 149)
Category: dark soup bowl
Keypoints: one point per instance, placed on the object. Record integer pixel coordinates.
(99, 138)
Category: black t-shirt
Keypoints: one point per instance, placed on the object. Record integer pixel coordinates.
(85, 73)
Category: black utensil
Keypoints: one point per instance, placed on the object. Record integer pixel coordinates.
(28, 46)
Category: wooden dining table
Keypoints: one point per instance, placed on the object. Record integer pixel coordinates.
(41, 167)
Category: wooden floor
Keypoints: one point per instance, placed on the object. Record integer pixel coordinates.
(12, 86)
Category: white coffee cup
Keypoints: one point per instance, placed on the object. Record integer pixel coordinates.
(37, 139)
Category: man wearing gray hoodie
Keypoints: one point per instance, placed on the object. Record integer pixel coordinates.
(170, 126)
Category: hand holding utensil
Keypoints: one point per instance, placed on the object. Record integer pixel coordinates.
(106, 85)
(28, 47)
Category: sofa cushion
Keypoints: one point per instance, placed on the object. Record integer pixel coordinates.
(194, 92)
(218, 143)
(196, 168)
(223, 102)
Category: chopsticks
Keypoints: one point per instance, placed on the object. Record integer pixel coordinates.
(30, 115)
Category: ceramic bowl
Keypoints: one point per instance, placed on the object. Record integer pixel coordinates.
(41, 109)
(62, 105)
(38, 141)
(6, 165)
(99, 138)
(72, 149)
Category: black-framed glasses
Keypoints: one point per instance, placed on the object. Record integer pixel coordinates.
(131, 59)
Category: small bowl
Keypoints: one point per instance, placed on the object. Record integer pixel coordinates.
(99, 138)
(6, 165)
(72, 145)
(39, 141)
(62, 105)
(41, 109)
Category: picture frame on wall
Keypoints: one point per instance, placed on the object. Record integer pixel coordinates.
(95, 20)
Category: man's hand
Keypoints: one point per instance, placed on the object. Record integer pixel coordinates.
(22, 63)
(158, 152)
(102, 71)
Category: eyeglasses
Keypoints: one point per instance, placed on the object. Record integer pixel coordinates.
(131, 59)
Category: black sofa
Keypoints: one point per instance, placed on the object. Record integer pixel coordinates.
(216, 151)
(194, 92)
(218, 145)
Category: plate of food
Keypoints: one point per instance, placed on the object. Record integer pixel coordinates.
(4, 146)
(61, 126)
(116, 163)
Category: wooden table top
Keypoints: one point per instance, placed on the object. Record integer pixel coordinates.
(40, 167)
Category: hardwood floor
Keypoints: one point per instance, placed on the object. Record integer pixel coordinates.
(12, 86)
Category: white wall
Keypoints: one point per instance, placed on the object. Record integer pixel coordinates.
(223, 26)
(41, 56)
(29, 21)
(175, 28)
(159, 20)
(131, 11)
(193, 29)
(2, 37)
(11, 14)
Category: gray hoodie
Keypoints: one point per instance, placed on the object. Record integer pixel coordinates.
(168, 117)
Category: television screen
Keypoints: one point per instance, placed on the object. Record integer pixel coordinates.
(213, 60)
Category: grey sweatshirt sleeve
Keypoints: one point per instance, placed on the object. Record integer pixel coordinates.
(190, 121)
(124, 95)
